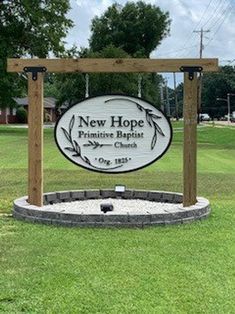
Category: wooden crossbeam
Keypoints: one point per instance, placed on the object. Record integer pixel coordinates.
(35, 84)
(87, 65)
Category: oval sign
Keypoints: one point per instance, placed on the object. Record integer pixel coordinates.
(113, 133)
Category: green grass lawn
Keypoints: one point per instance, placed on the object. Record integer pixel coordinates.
(175, 269)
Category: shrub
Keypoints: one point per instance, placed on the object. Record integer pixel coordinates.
(21, 115)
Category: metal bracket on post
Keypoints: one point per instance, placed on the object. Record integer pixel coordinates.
(35, 71)
(191, 70)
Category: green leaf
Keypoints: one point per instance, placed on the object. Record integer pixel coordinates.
(87, 160)
(139, 107)
(77, 148)
(159, 129)
(66, 134)
(148, 118)
(69, 149)
(71, 124)
(154, 140)
(155, 116)
(29, 28)
(136, 27)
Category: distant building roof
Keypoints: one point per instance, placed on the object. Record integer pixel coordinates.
(49, 102)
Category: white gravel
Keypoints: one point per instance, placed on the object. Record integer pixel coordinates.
(121, 207)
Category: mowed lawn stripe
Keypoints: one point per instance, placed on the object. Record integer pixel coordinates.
(176, 269)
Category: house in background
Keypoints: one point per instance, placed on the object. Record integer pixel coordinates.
(8, 115)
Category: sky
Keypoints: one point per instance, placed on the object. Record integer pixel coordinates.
(217, 16)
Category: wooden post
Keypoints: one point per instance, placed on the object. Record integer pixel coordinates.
(35, 140)
(190, 140)
(83, 65)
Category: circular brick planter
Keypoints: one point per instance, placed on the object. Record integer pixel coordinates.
(24, 211)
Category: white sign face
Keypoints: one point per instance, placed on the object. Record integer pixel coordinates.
(113, 133)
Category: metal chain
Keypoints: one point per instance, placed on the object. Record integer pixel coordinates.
(140, 85)
(87, 86)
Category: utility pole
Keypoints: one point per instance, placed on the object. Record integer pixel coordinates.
(201, 40)
(199, 104)
(168, 111)
(162, 97)
(229, 107)
(228, 104)
(176, 99)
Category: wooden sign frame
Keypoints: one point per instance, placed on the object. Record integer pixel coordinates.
(36, 68)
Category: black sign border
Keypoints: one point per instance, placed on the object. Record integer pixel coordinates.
(114, 172)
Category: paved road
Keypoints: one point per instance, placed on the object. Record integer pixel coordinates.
(222, 123)
(25, 126)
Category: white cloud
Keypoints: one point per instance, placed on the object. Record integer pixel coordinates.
(82, 13)
(186, 16)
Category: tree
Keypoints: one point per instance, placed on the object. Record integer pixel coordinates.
(21, 115)
(29, 28)
(180, 96)
(217, 85)
(137, 28)
(121, 32)
(71, 87)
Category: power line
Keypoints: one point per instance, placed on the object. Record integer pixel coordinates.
(214, 7)
(191, 35)
(197, 25)
(227, 61)
(215, 12)
(174, 51)
(218, 23)
(219, 27)
(213, 20)
(218, 5)
(204, 14)
(221, 15)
